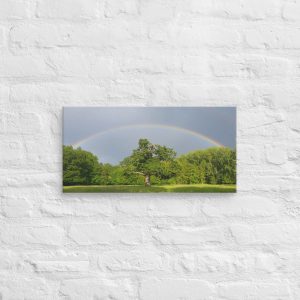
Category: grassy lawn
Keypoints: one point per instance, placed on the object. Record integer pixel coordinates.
(176, 188)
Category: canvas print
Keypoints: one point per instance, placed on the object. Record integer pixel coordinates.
(149, 149)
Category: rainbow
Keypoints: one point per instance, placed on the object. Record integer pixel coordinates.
(187, 131)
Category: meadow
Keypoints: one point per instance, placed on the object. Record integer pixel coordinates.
(175, 188)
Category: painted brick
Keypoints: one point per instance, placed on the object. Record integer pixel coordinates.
(58, 261)
(154, 11)
(276, 154)
(95, 36)
(250, 67)
(2, 37)
(253, 206)
(271, 290)
(24, 67)
(16, 207)
(18, 286)
(67, 9)
(189, 236)
(210, 262)
(196, 35)
(143, 207)
(52, 94)
(130, 89)
(104, 234)
(272, 37)
(291, 10)
(17, 235)
(232, 9)
(25, 122)
(14, 9)
(76, 208)
(143, 260)
(4, 95)
(176, 289)
(93, 288)
(114, 8)
(272, 234)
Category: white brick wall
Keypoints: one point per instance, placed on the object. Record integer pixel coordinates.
(150, 52)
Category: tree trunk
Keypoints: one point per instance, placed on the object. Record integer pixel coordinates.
(147, 180)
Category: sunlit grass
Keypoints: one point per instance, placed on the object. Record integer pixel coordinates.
(175, 188)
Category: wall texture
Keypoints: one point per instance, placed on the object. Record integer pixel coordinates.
(57, 53)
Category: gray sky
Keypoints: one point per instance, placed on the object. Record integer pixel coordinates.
(113, 132)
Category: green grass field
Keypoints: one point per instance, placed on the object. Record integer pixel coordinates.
(178, 188)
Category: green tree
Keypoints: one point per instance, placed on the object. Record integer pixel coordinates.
(79, 166)
(202, 168)
(212, 165)
(103, 175)
(188, 172)
(151, 160)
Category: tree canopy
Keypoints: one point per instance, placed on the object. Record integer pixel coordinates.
(151, 163)
(79, 166)
(151, 159)
(212, 165)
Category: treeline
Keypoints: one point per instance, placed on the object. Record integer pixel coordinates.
(213, 166)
